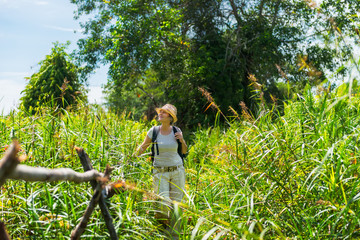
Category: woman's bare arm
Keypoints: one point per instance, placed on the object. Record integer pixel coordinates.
(141, 149)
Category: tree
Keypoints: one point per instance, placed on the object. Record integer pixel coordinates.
(216, 45)
(56, 84)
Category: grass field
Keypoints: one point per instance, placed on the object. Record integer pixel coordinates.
(289, 176)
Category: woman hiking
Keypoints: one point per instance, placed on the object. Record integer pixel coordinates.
(168, 150)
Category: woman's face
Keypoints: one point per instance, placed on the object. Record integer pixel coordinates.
(164, 116)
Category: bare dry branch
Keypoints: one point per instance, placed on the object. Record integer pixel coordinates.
(9, 162)
(10, 168)
(86, 163)
(3, 233)
(32, 174)
(80, 228)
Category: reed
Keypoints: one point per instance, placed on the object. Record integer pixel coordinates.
(285, 177)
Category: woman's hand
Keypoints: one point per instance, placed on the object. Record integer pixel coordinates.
(179, 136)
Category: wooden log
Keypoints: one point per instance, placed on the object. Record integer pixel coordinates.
(86, 163)
(80, 228)
(32, 174)
(9, 162)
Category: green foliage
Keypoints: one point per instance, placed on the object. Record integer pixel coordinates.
(216, 45)
(56, 84)
(294, 176)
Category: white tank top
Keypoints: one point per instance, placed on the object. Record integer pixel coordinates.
(168, 146)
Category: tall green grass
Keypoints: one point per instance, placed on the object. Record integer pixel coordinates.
(285, 176)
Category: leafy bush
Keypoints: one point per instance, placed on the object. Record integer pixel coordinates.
(56, 84)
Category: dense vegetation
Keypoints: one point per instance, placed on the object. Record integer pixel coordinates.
(271, 177)
(273, 145)
(162, 51)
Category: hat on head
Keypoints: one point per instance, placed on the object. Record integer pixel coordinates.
(170, 109)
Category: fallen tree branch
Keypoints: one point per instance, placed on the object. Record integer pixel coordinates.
(32, 174)
(9, 162)
(3, 233)
(80, 228)
(86, 163)
(10, 168)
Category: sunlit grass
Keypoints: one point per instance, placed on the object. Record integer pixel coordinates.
(274, 177)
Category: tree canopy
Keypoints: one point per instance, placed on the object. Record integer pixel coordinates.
(165, 50)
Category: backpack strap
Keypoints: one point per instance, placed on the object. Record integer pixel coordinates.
(154, 145)
(175, 129)
(155, 133)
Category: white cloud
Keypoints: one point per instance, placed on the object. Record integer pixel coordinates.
(41, 2)
(95, 95)
(62, 28)
(10, 94)
(14, 74)
(9, 4)
(21, 3)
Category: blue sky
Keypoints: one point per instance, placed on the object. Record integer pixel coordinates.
(28, 29)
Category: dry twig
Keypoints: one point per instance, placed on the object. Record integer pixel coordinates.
(9, 162)
(80, 228)
(86, 163)
(32, 174)
(3, 233)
